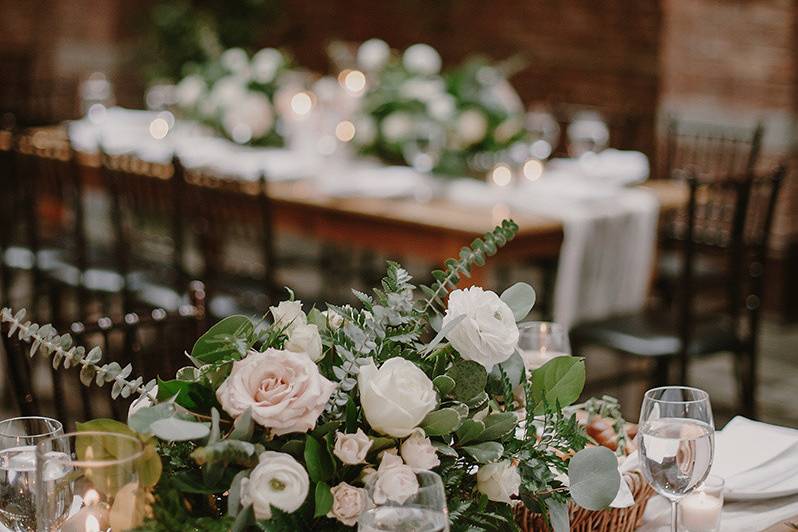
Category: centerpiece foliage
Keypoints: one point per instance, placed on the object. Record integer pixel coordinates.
(276, 424)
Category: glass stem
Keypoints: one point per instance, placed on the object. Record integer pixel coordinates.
(674, 516)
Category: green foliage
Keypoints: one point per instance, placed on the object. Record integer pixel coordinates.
(520, 298)
(229, 339)
(609, 408)
(469, 379)
(560, 380)
(593, 477)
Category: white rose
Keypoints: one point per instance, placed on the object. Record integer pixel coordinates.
(287, 315)
(348, 503)
(418, 451)
(423, 90)
(305, 338)
(225, 92)
(472, 126)
(396, 397)
(351, 449)
(250, 117)
(278, 480)
(422, 59)
(265, 64)
(235, 60)
(144, 401)
(334, 320)
(373, 54)
(395, 481)
(488, 333)
(441, 107)
(397, 126)
(189, 91)
(499, 481)
(285, 390)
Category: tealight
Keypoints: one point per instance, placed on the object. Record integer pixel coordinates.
(501, 175)
(355, 81)
(345, 131)
(533, 169)
(301, 103)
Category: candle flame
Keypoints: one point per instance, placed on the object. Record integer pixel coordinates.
(91, 497)
(92, 525)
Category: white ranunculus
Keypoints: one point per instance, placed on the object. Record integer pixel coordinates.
(278, 480)
(423, 90)
(348, 503)
(305, 338)
(499, 481)
(441, 107)
(418, 451)
(265, 64)
(395, 481)
(396, 397)
(422, 59)
(235, 60)
(488, 333)
(287, 315)
(351, 449)
(189, 91)
(251, 116)
(144, 401)
(472, 126)
(373, 54)
(397, 126)
(284, 390)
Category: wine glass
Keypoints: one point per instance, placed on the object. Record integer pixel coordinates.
(587, 133)
(677, 441)
(540, 341)
(423, 149)
(425, 511)
(90, 481)
(18, 439)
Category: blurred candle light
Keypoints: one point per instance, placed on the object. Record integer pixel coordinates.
(501, 175)
(533, 169)
(354, 81)
(540, 149)
(159, 128)
(301, 103)
(345, 131)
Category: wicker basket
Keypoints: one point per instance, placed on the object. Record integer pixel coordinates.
(612, 520)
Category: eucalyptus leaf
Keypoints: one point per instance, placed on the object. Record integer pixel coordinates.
(520, 298)
(593, 477)
(513, 369)
(441, 422)
(470, 379)
(485, 452)
(444, 384)
(558, 515)
(144, 417)
(174, 429)
(560, 380)
(444, 449)
(498, 426)
(469, 431)
(219, 342)
(243, 426)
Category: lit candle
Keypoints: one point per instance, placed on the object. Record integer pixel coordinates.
(91, 518)
(701, 512)
(535, 358)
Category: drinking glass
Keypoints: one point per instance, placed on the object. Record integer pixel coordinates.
(89, 481)
(587, 133)
(18, 439)
(425, 511)
(677, 441)
(540, 341)
(424, 148)
(700, 511)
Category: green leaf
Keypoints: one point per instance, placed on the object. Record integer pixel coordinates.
(219, 342)
(243, 426)
(441, 422)
(227, 452)
(244, 520)
(173, 429)
(594, 478)
(478, 402)
(144, 417)
(558, 515)
(295, 448)
(451, 324)
(213, 437)
(513, 368)
(498, 426)
(380, 443)
(486, 452)
(470, 379)
(317, 460)
(444, 384)
(469, 431)
(234, 494)
(560, 380)
(324, 499)
(444, 449)
(351, 415)
(190, 395)
(520, 298)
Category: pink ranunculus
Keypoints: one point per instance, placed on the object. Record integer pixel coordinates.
(284, 389)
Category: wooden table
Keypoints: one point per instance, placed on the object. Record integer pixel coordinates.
(432, 231)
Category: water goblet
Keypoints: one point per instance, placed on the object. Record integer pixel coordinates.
(677, 442)
(425, 511)
(540, 341)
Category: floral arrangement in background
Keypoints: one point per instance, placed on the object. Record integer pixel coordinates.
(449, 121)
(237, 94)
(290, 419)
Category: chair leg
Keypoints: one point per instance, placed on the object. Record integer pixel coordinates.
(661, 375)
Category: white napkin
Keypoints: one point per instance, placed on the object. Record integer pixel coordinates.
(376, 181)
(609, 167)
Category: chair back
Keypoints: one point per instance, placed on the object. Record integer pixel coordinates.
(153, 342)
(146, 215)
(233, 220)
(710, 150)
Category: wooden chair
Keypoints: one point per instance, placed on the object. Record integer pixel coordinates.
(146, 202)
(733, 216)
(233, 221)
(153, 341)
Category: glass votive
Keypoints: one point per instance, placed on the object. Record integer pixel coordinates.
(89, 482)
(540, 341)
(701, 510)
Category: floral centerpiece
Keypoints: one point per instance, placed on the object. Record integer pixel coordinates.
(236, 94)
(287, 418)
(464, 115)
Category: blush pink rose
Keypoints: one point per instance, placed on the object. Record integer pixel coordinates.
(284, 389)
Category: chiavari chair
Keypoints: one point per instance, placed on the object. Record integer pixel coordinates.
(153, 341)
(732, 217)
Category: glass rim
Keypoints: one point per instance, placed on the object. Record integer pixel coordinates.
(97, 463)
(537, 323)
(58, 426)
(704, 395)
